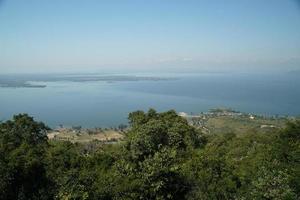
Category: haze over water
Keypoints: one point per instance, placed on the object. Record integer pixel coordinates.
(105, 104)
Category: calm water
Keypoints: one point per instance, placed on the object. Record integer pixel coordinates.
(107, 104)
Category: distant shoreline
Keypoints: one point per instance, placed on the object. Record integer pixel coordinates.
(24, 81)
(22, 85)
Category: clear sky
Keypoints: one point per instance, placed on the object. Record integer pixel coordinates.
(149, 35)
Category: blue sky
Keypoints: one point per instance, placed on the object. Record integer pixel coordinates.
(149, 35)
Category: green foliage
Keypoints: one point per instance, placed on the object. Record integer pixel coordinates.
(153, 154)
(161, 157)
(287, 151)
(23, 143)
(271, 184)
(212, 174)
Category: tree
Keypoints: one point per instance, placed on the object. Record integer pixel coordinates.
(211, 173)
(154, 150)
(22, 146)
(271, 184)
(287, 152)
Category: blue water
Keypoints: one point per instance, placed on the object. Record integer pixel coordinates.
(106, 104)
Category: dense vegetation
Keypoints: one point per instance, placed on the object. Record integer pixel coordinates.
(162, 157)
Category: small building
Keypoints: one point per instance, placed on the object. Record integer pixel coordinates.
(182, 114)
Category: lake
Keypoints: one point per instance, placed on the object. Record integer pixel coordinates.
(107, 103)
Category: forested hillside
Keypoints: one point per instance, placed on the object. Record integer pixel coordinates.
(161, 157)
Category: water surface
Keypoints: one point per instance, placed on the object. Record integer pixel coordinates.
(101, 103)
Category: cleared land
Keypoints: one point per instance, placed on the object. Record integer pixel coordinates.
(105, 136)
(226, 121)
(239, 125)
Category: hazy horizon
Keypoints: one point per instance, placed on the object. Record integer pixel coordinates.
(155, 36)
